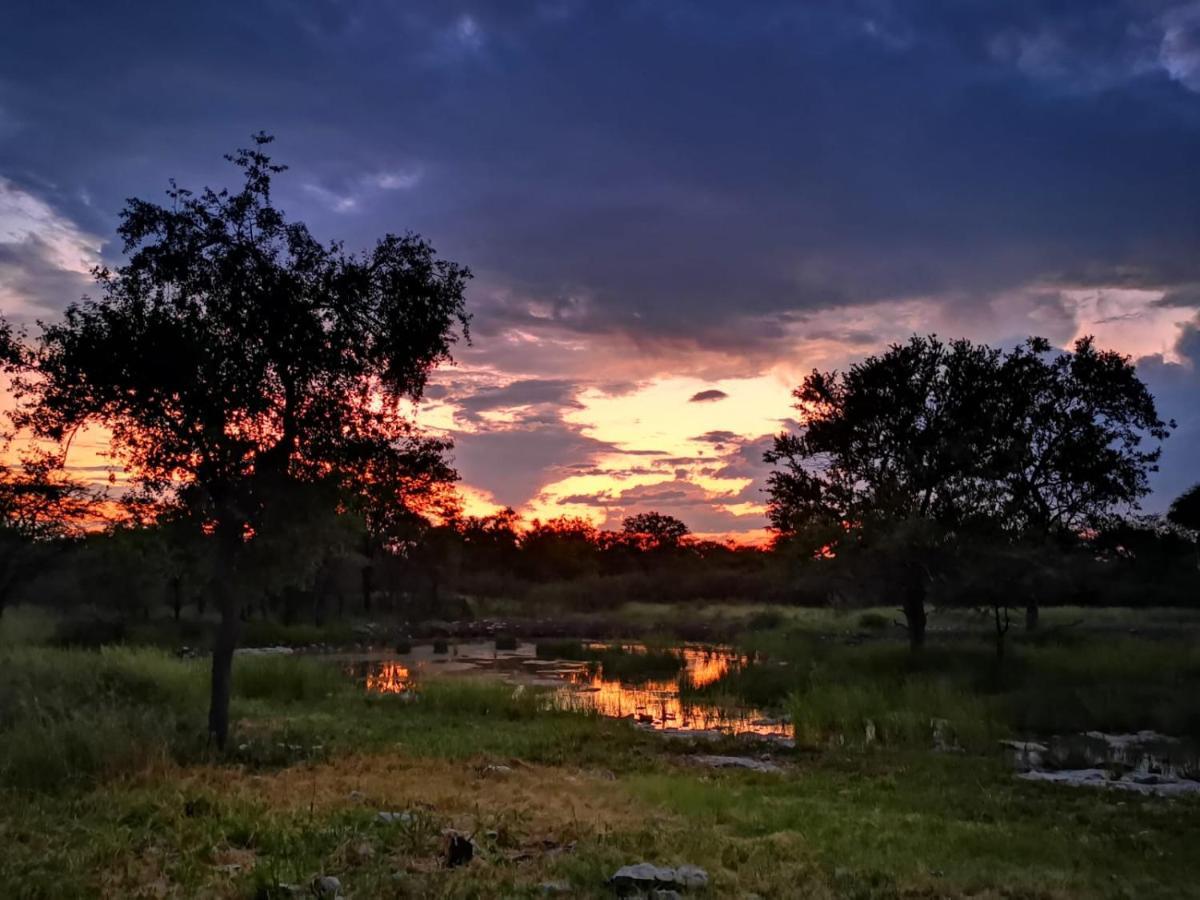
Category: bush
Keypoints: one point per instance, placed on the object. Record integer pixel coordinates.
(872, 621)
(506, 642)
(441, 645)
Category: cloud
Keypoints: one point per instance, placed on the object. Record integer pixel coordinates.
(1180, 48)
(707, 396)
(45, 258)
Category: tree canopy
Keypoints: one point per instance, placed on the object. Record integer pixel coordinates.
(234, 358)
(1027, 440)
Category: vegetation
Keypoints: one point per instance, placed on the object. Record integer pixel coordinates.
(119, 794)
(250, 377)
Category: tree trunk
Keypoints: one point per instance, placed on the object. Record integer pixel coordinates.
(177, 596)
(223, 647)
(1031, 616)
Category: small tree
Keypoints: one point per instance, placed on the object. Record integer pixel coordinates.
(233, 355)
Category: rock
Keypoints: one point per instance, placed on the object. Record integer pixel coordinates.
(327, 886)
(667, 895)
(868, 732)
(551, 888)
(395, 818)
(643, 877)
(1026, 755)
(362, 853)
(736, 762)
(1159, 786)
(659, 881)
(497, 770)
(691, 877)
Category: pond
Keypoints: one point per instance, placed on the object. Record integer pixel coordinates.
(620, 681)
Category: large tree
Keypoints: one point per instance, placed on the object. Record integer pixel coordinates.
(233, 355)
(930, 439)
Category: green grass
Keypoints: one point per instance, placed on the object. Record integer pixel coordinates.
(286, 678)
(107, 787)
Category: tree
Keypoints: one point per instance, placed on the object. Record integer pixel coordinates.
(1184, 511)
(233, 355)
(40, 509)
(654, 531)
(966, 437)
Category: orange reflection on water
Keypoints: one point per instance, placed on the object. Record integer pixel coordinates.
(387, 678)
(659, 704)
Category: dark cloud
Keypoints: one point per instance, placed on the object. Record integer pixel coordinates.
(707, 396)
(718, 437)
(745, 173)
(514, 464)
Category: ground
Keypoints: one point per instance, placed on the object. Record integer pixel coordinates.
(109, 790)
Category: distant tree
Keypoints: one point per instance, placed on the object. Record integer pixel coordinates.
(654, 531)
(233, 354)
(966, 437)
(41, 509)
(1185, 510)
(565, 547)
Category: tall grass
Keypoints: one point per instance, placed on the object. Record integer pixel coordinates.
(290, 679)
(72, 717)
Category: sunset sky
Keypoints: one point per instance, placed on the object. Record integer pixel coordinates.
(674, 210)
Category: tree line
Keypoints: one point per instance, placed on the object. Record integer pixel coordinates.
(256, 385)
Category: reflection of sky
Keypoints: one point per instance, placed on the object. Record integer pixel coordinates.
(654, 703)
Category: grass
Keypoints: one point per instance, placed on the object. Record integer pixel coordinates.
(107, 787)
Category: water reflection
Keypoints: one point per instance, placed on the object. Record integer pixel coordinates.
(662, 704)
(385, 677)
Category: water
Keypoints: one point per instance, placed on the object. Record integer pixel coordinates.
(657, 703)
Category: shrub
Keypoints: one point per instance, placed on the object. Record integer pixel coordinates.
(506, 642)
(872, 621)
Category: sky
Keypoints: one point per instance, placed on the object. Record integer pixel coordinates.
(673, 210)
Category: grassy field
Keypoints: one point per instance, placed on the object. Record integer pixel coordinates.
(107, 787)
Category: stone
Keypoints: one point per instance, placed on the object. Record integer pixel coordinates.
(736, 762)
(869, 732)
(552, 888)
(667, 895)
(659, 881)
(643, 877)
(395, 818)
(691, 877)
(327, 886)
(497, 770)
(1159, 786)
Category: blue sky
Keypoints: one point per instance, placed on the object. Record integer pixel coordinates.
(657, 198)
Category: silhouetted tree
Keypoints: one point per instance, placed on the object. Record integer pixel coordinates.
(965, 436)
(654, 531)
(1185, 510)
(41, 509)
(233, 354)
